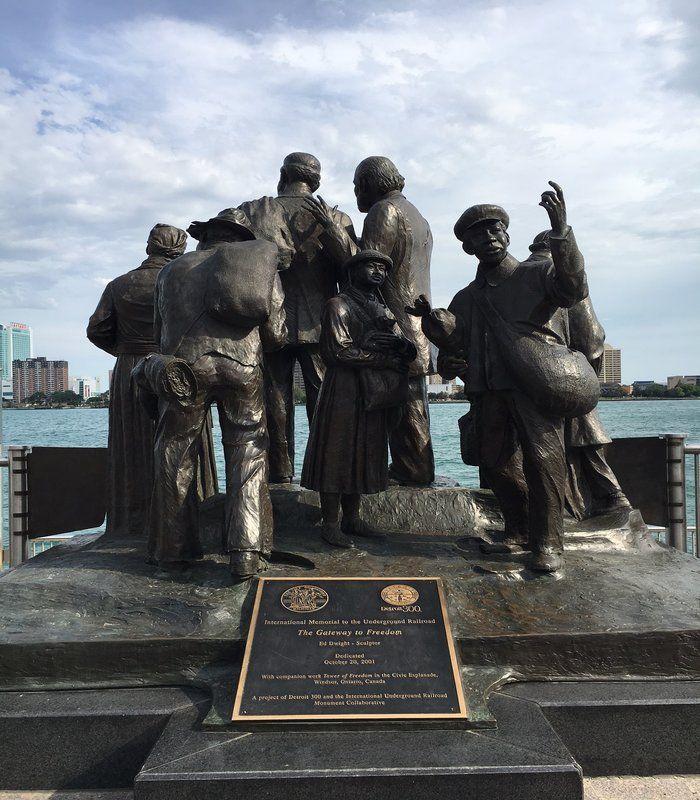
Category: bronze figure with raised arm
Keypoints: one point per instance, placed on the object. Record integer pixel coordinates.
(505, 335)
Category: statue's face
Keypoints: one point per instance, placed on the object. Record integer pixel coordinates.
(487, 240)
(366, 197)
(370, 274)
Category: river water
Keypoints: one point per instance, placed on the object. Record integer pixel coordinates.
(84, 427)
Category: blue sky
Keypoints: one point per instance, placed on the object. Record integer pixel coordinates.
(122, 114)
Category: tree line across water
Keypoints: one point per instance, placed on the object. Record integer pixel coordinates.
(65, 399)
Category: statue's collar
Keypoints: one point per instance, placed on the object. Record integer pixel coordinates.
(494, 276)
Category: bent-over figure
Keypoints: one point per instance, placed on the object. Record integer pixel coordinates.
(208, 315)
(367, 361)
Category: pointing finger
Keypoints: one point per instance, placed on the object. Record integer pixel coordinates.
(557, 189)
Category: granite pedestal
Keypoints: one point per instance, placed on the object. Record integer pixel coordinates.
(92, 615)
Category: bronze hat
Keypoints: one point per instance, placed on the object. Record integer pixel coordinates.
(368, 255)
(540, 242)
(233, 217)
(476, 214)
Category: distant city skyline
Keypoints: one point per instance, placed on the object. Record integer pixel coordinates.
(105, 134)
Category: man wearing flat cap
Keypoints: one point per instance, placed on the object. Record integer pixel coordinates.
(215, 309)
(395, 227)
(309, 278)
(517, 443)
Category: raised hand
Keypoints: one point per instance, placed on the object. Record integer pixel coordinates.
(421, 307)
(554, 205)
(320, 210)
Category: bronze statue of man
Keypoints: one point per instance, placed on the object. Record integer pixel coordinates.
(122, 325)
(513, 435)
(216, 309)
(395, 227)
(593, 487)
(309, 278)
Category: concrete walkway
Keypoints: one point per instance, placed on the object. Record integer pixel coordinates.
(630, 787)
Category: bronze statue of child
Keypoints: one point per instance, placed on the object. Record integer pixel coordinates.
(365, 385)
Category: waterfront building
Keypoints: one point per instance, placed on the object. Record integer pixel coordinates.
(16, 343)
(83, 387)
(298, 382)
(32, 375)
(611, 370)
(439, 385)
(682, 380)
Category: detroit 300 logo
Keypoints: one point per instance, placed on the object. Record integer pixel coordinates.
(398, 594)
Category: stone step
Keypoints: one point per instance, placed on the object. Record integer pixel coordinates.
(82, 740)
(523, 759)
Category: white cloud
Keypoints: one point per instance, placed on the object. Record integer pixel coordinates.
(160, 119)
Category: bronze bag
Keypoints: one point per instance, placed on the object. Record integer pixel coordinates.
(558, 380)
(240, 281)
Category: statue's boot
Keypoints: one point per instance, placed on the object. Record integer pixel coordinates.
(546, 560)
(334, 536)
(512, 543)
(245, 564)
(616, 501)
(354, 526)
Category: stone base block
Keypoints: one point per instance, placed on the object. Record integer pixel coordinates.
(522, 760)
(96, 739)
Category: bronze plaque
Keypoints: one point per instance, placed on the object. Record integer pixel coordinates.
(349, 648)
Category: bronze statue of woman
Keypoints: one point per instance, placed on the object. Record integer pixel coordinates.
(122, 325)
(365, 385)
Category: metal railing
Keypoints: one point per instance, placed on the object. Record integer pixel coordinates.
(17, 506)
(679, 534)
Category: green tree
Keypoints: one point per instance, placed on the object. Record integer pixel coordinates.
(67, 398)
(36, 398)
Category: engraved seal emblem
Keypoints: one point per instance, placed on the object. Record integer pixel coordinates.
(304, 598)
(398, 594)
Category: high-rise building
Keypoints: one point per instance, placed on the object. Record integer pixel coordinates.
(611, 371)
(38, 375)
(16, 343)
(85, 387)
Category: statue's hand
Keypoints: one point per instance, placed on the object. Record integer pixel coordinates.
(452, 365)
(397, 364)
(421, 307)
(553, 203)
(320, 210)
(378, 340)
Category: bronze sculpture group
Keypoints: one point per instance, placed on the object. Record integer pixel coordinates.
(285, 279)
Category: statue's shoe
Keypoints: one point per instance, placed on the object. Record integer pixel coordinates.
(246, 564)
(617, 501)
(547, 560)
(356, 527)
(509, 545)
(334, 536)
